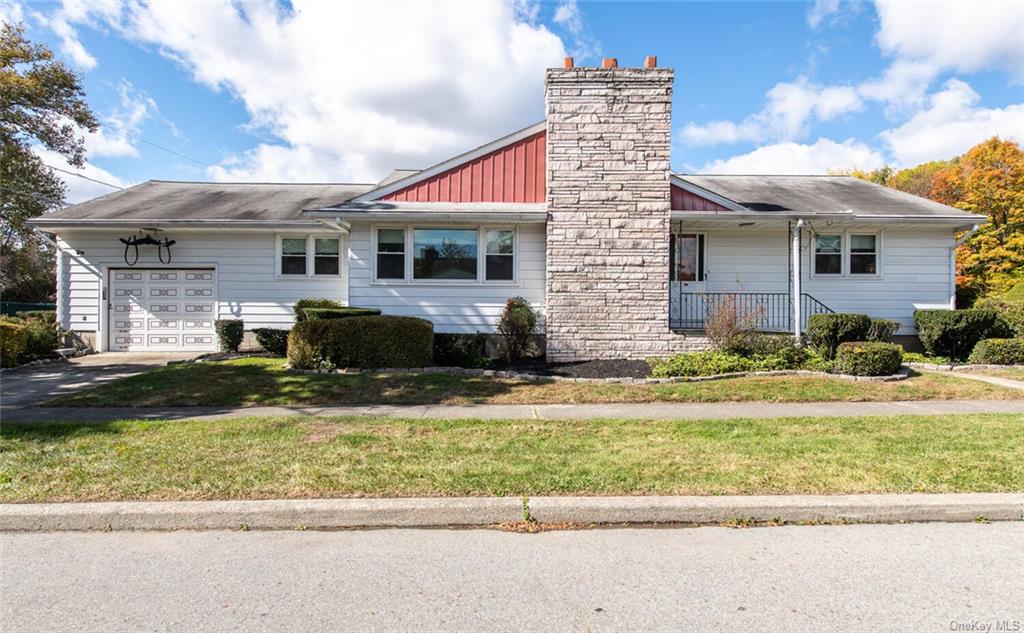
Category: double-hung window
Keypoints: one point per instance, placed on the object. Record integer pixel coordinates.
(828, 254)
(293, 256)
(864, 255)
(306, 255)
(391, 254)
(457, 255)
(846, 255)
(500, 258)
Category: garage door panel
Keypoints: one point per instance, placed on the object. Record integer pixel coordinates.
(162, 310)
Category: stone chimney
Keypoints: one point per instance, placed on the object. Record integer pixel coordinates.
(609, 135)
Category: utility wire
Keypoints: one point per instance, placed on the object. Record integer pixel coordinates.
(171, 151)
(99, 182)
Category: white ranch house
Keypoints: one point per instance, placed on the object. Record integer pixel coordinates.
(580, 214)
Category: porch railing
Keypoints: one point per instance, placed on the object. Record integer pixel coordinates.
(763, 311)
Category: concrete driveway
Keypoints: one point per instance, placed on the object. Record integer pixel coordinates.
(33, 385)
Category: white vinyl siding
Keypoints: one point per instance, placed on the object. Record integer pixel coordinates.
(452, 307)
(249, 287)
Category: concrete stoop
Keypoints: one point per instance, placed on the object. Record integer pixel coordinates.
(323, 514)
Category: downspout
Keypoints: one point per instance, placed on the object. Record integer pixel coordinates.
(796, 278)
(952, 263)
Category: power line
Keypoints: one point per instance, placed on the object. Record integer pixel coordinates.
(99, 182)
(171, 151)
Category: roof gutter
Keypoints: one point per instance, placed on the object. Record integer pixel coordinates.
(959, 220)
(45, 223)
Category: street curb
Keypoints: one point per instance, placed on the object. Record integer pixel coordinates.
(791, 509)
(484, 511)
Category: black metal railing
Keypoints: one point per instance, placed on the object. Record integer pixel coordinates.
(761, 311)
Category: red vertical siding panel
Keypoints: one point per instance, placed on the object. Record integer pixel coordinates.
(514, 173)
(476, 169)
(683, 200)
(499, 177)
(466, 193)
(530, 149)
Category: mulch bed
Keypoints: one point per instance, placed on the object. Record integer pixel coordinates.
(616, 368)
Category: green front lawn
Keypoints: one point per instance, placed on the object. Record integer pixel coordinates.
(322, 457)
(262, 381)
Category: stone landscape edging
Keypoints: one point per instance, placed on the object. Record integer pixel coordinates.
(292, 514)
(955, 367)
(903, 374)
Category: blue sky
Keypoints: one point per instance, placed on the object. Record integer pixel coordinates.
(324, 91)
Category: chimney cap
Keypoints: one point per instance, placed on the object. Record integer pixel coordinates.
(650, 61)
(610, 62)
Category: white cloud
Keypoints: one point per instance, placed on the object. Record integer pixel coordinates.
(11, 12)
(821, 157)
(952, 124)
(961, 36)
(568, 15)
(788, 111)
(80, 189)
(821, 10)
(347, 91)
(118, 129)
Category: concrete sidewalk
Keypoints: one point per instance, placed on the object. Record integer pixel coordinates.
(289, 514)
(643, 411)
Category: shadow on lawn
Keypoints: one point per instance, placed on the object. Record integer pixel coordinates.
(263, 382)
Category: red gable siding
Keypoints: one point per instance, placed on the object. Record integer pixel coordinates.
(514, 173)
(683, 200)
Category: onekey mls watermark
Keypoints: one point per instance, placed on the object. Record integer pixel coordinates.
(987, 626)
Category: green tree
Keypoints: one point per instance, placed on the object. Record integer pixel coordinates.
(42, 103)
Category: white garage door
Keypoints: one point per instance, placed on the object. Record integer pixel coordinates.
(161, 310)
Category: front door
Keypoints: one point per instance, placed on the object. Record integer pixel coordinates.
(687, 281)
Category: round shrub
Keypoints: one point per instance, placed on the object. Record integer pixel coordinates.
(827, 331)
(229, 333)
(362, 341)
(870, 358)
(13, 340)
(954, 333)
(272, 341)
(313, 302)
(999, 351)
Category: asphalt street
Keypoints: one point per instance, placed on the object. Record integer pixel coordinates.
(914, 577)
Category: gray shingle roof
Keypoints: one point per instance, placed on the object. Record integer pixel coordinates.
(811, 195)
(172, 200)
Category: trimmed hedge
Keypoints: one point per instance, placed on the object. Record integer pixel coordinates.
(1011, 309)
(13, 340)
(362, 341)
(229, 333)
(272, 341)
(302, 304)
(954, 333)
(315, 314)
(461, 350)
(516, 325)
(999, 351)
(883, 330)
(826, 332)
(869, 358)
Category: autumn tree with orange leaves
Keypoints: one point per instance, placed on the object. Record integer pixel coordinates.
(988, 179)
